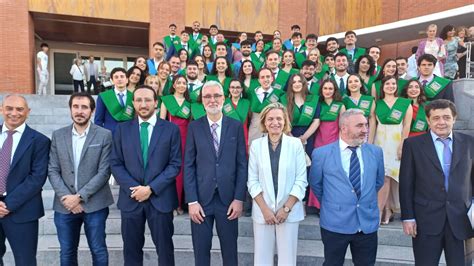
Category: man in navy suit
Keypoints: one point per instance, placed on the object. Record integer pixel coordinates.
(114, 106)
(346, 176)
(23, 169)
(215, 176)
(145, 160)
(436, 188)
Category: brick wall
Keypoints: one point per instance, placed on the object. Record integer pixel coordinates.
(17, 47)
(292, 12)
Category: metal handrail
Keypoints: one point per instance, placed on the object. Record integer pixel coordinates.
(469, 63)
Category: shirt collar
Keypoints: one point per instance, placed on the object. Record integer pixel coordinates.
(435, 137)
(75, 133)
(219, 122)
(429, 79)
(343, 145)
(151, 120)
(261, 91)
(117, 91)
(19, 129)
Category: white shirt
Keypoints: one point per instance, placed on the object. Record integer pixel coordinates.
(197, 84)
(412, 67)
(92, 68)
(152, 123)
(77, 72)
(346, 159)
(439, 146)
(43, 59)
(16, 137)
(124, 95)
(78, 141)
(157, 63)
(260, 93)
(337, 78)
(218, 129)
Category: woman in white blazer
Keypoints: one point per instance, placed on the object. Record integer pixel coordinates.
(277, 183)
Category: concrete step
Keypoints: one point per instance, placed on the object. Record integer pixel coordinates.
(310, 252)
(309, 228)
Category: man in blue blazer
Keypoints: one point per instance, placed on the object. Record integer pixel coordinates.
(23, 170)
(215, 176)
(345, 177)
(146, 158)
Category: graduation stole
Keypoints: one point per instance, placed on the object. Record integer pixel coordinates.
(194, 94)
(112, 104)
(257, 61)
(281, 80)
(314, 89)
(400, 85)
(435, 86)
(197, 110)
(419, 124)
(368, 85)
(364, 103)
(183, 111)
(252, 86)
(257, 106)
(358, 52)
(306, 115)
(225, 84)
(330, 112)
(167, 87)
(158, 106)
(239, 113)
(320, 75)
(394, 115)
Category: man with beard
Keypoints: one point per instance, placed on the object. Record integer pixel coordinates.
(349, 214)
(175, 65)
(215, 176)
(246, 50)
(185, 44)
(196, 37)
(341, 76)
(308, 69)
(332, 46)
(194, 84)
(153, 63)
(145, 161)
(79, 169)
(170, 39)
(374, 52)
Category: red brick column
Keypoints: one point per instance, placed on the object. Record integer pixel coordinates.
(292, 12)
(17, 51)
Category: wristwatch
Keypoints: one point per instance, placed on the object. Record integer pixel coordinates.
(286, 209)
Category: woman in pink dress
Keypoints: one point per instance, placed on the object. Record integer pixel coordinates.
(176, 108)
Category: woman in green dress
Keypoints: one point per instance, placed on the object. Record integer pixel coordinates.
(414, 91)
(365, 66)
(248, 76)
(394, 115)
(288, 63)
(357, 98)
(221, 73)
(389, 68)
(237, 107)
(164, 70)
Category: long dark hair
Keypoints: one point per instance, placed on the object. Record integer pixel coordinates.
(335, 97)
(228, 71)
(371, 63)
(421, 98)
(381, 74)
(173, 90)
(384, 80)
(241, 71)
(362, 87)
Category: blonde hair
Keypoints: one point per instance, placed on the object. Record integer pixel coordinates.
(273, 106)
(149, 79)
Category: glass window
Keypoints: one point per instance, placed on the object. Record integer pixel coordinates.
(111, 63)
(62, 78)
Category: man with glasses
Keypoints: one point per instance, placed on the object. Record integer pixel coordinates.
(215, 176)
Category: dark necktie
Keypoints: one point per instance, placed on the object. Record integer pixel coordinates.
(5, 160)
(144, 142)
(354, 171)
(423, 83)
(265, 94)
(447, 157)
(296, 50)
(191, 85)
(215, 138)
(341, 86)
(121, 102)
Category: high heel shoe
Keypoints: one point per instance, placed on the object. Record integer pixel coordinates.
(387, 218)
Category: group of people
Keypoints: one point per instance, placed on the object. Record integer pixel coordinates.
(175, 136)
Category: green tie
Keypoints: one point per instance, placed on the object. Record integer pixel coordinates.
(144, 142)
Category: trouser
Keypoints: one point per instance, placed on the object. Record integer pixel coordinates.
(284, 236)
(43, 76)
(92, 81)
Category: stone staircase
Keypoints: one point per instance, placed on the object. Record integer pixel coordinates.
(49, 113)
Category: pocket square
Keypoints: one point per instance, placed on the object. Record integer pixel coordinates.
(94, 145)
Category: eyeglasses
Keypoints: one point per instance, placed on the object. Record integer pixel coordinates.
(209, 96)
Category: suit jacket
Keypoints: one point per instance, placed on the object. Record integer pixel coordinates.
(447, 93)
(164, 163)
(341, 211)
(92, 174)
(28, 172)
(102, 116)
(292, 179)
(423, 195)
(204, 171)
(87, 71)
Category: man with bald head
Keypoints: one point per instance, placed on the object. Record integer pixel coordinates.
(23, 169)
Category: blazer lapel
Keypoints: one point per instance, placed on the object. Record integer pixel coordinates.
(68, 143)
(338, 161)
(282, 166)
(155, 136)
(225, 125)
(367, 160)
(267, 167)
(430, 151)
(134, 133)
(25, 142)
(89, 138)
(459, 150)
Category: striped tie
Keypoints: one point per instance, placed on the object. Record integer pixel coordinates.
(354, 171)
(215, 139)
(447, 157)
(5, 160)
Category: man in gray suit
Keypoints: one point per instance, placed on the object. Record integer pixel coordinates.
(79, 169)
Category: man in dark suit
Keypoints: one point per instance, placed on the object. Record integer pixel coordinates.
(435, 87)
(146, 159)
(215, 176)
(23, 170)
(436, 188)
(79, 169)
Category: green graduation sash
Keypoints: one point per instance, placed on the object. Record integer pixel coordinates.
(435, 86)
(280, 82)
(400, 85)
(252, 86)
(112, 104)
(257, 61)
(306, 115)
(314, 89)
(320, 75)
(377, 85)
(419, 124)
(168, 41)
(183, 111)
(358, 52)
(276, 96)
(225, 85)
(330, 112)
(300, 58)
(193, 95)
(197, 110)
(368, 85)
(364, 104)
(240, 113)
(167, 87)
(394, 115)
